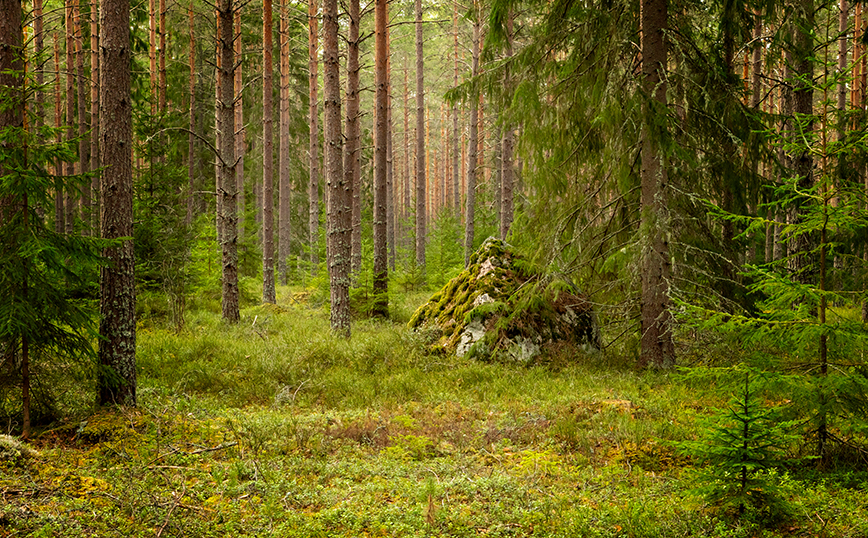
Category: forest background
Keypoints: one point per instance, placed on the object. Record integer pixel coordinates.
(697, 169)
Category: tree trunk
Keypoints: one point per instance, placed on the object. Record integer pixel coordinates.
(117, 347)
(70, 201)
(470, 212)
(268, 292)
(284, 207)
(420, 148)
(456, 148)
(352, 160)
(313, 163)
(390, 184)
(657, 348)
(83, 126)
(407, 173)
(507, 178)
(59, 206)
(800, 263)
(239, 131)
(338, 201)
(381, 268)
(191, 136)
(161, 84)
(94, 114)
(227, 193)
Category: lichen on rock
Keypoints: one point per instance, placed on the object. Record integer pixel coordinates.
(502, 307)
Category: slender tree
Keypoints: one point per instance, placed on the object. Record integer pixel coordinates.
(456, 151)
(117, 347)
(657, 348)
(83, 109)
(59, 201)
(94, 112)
(313, 154)
(352, 161)
(470, 212)
(338, 201)
(390, 176)
(191, 135)
(239, 131)
(70, 201)
(284, 208)
(381, 268)
(421, 198)
(227, 193)
(268, 291)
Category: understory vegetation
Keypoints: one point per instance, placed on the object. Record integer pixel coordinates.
(275, 427)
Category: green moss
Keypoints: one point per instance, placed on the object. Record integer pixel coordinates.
(485, 310)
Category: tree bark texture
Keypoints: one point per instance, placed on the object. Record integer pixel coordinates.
(268, 290)
(339, 200)
(117, 348)
(381, 268)
(227, 192)
(657, 348)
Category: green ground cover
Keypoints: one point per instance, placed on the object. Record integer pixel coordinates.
(275, 428)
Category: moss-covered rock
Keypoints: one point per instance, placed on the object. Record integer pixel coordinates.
(501, 306)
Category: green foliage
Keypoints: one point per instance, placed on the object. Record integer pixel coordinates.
(743, 446)
(46, 316)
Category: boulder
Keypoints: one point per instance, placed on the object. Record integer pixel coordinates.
(502, 307)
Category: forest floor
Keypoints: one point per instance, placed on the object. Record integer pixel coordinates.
(275, 428)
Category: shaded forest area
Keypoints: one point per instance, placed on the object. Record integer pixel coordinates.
(217, 219)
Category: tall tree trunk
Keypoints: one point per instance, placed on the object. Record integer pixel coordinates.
(470, 212)
(421, 233)
(83, 126)
(657, 348)
(352, 160)
(313, 155)
(284, 207)
(390, 184)
(456, 151)
(117, 347)
(381, 268)
(268, 291)
(507, 176)
(239, 131)
(161, 84)
(152, 52)
(191, 135)
(338, 201)
(800, 263)
(70, 202)
(407, 173)
(227, 193)
(94, 113)
(59, 202)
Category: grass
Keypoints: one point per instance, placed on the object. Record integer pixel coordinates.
(275, 428)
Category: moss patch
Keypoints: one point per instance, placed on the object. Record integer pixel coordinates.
(501, 306)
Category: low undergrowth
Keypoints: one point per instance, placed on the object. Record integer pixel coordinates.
(275, 428)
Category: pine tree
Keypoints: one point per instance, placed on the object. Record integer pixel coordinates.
(117, 348)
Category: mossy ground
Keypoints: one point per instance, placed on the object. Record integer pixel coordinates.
(520, 301)
(276, 428)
